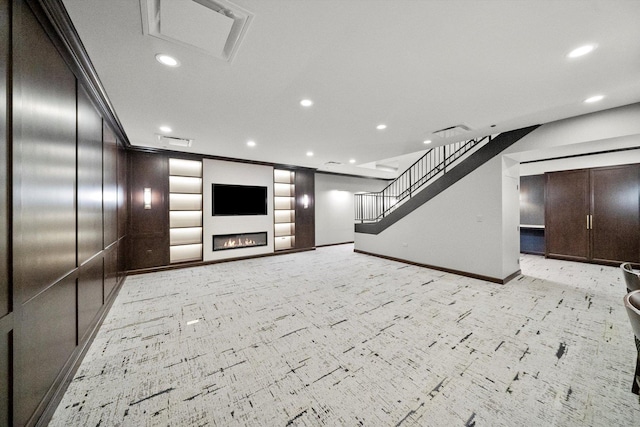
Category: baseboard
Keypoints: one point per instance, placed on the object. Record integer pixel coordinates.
(217, 261)
(335, 244)
(447, 270)
(72, 365)
(532, 253)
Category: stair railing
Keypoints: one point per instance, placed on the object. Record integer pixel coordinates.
(372, 207)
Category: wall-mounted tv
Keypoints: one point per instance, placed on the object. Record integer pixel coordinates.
(228, 199)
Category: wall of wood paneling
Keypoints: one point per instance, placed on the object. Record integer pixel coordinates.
(110, 186)
(6, 315)
(4, 161)
(44, 160)
(62, 213)
(90, 229)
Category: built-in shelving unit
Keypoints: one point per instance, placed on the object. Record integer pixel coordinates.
(284, 212)
(185, 210)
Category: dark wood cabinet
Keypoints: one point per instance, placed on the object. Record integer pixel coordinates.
(615, 214)
(305, 209)
(148, 229)
(593, 214)
(566, 214)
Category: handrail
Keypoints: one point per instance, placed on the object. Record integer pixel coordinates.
(372, 207)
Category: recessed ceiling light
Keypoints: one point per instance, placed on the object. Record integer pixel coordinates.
(426, 141)
(309, 153)
(593, 99)
(582, 50)
(352, 161)
(165, 129)
(381, 126)
(167, 60)
(251, 143)
(306, 103)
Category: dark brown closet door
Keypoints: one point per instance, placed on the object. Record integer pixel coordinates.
(616, 214)
(566, 210)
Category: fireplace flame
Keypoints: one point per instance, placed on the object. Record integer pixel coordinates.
(238, 243)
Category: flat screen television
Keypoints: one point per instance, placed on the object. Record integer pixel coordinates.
(229, 199)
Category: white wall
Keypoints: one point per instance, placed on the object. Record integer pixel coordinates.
(582, 162)
(459, 229)
(222, 172)
(510, 217)
(334, 208)
(606, 129)
(472, 226)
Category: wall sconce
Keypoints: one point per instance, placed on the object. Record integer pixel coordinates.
(305, 201)
(147, 198)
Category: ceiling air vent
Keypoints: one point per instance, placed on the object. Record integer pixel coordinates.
(387, 167)
(166, 141)
(213, 27)
(452, 131)
(332, 163)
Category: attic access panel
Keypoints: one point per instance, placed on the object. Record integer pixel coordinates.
(194, 24)
(212, 27)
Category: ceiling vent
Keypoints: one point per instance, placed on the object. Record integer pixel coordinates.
(332, 163)
(387, 167)
(452, 131)
(215, 28)
(166, 141)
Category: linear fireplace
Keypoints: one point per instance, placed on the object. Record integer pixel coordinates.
(223, 242)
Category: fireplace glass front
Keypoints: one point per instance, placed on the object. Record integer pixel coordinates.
(223, 242)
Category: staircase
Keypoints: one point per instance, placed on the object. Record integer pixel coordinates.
(440, 167)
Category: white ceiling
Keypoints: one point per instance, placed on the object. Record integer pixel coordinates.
(417, 66)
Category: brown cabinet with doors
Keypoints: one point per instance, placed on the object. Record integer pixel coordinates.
(593, 214)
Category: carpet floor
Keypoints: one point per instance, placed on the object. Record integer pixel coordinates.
(335, 338)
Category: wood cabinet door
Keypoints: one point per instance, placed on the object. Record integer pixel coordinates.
(566, 210)
(615, 206)
(305, 216)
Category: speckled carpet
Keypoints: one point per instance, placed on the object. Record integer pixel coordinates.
(335, 338)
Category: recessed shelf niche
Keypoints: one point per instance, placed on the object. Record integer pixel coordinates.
(185, 210)
(284, 213)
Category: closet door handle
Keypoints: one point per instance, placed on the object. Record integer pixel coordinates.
(587, 222)
(590, 222)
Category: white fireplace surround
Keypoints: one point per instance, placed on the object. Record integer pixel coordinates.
(224, 172)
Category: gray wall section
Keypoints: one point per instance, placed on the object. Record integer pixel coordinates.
(532, 200)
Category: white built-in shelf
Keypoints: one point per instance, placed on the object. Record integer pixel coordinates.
(284, 213)
(185, 210)
(180, 167)
(185, 184)
(185, 202)
(184, 253)
(179, 219)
